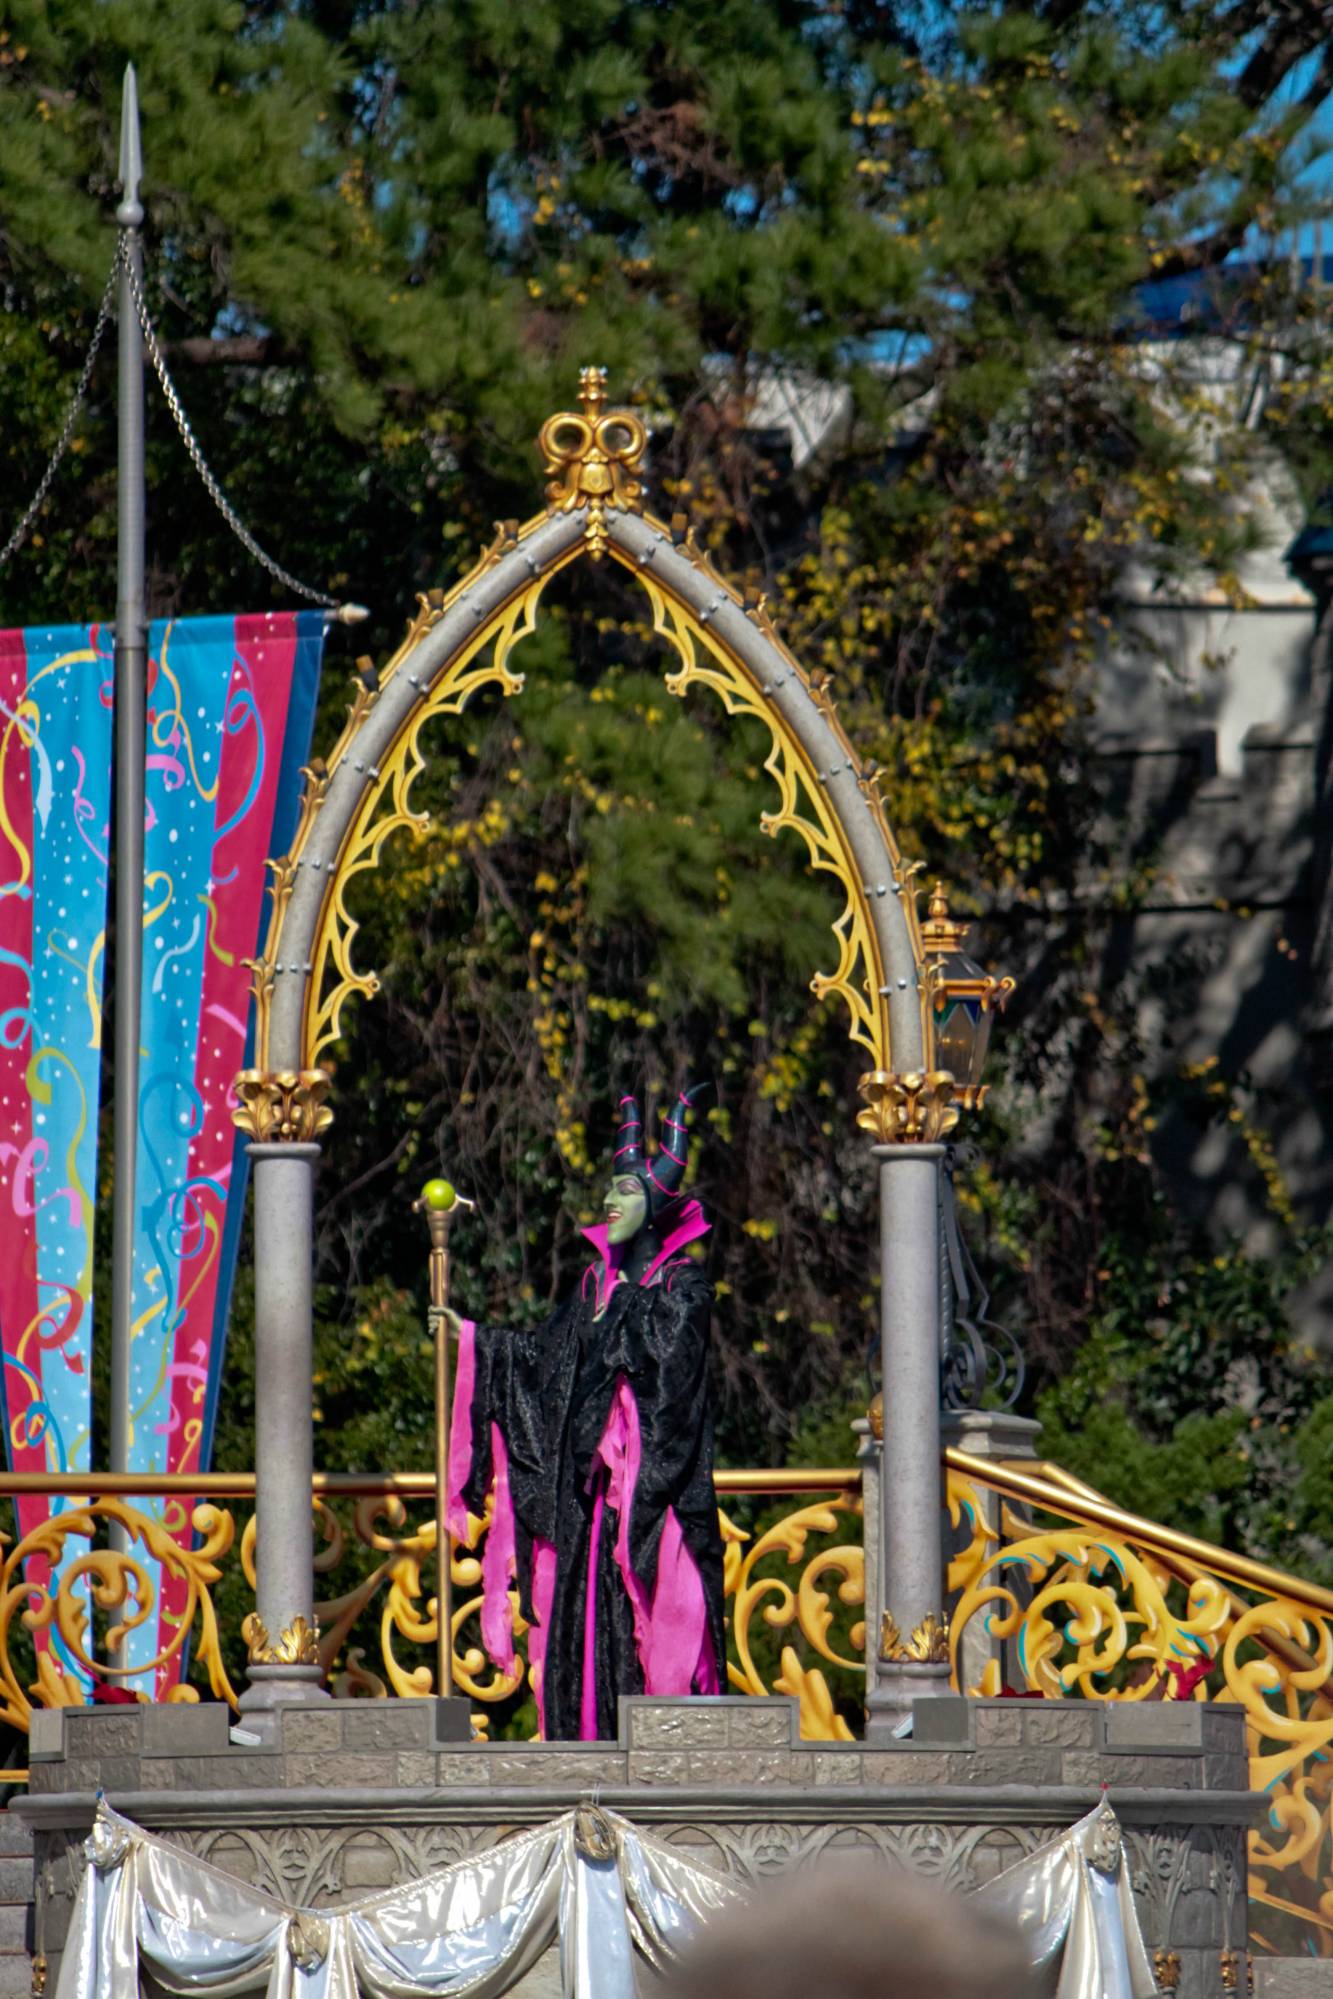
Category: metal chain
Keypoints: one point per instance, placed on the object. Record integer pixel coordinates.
(76, 402)
(188, 439)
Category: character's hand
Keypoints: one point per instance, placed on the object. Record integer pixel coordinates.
(453, 1324)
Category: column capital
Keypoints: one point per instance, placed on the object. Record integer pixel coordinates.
(918, 1108)
(927, 1152)
(282, 1106)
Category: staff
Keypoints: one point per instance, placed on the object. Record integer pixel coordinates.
(437, 1202)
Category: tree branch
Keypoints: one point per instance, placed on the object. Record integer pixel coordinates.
(238, 350)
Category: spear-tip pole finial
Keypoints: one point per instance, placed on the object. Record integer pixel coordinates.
(130, 212)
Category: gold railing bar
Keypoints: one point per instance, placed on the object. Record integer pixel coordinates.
(800, 1478)
(13, 1776)
(364, 1485)
(1100, 1513)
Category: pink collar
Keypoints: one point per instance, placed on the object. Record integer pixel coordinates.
(692, 1224)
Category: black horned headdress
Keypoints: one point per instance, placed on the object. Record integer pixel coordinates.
(662, 1174)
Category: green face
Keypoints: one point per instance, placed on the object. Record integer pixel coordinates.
(625, 1207)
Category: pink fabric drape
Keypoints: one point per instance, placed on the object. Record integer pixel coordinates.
(671, 1627)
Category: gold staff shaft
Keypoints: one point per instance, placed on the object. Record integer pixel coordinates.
(438, 1222)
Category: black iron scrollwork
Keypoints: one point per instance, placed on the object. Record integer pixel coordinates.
(981, 1363)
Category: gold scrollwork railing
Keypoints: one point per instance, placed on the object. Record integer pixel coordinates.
(375, 1558)
(1080, 1598)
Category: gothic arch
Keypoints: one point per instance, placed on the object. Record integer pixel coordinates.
(462, 642)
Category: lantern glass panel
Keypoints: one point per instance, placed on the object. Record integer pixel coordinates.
(962, 1025)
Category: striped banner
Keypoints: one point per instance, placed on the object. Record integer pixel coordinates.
(55, 796)
(230, 708)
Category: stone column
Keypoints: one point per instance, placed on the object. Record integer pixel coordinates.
(1002, 1436)
(284, 1112)
(909, 1655)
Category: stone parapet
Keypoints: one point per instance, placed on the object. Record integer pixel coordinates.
(358, 1795)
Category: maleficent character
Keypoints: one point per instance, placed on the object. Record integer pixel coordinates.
(596, 1432)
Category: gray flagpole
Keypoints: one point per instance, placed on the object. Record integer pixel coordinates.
(130, 682)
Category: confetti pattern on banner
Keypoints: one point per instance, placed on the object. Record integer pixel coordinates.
(230, 708)
(55, 792)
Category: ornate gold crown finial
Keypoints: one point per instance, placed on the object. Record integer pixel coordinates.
(593, 457)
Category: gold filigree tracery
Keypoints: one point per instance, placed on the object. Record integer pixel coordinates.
(858, 977)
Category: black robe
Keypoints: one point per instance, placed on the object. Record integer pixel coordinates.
(551, 1393)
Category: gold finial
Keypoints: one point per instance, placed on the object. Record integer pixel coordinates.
(592, 391)
(940, 933)
(593, 458)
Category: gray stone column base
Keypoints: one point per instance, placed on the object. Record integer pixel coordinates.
(897, 1685)
(282, 1686)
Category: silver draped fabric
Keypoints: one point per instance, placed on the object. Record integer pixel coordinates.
(1073, 1904)
(610, 1892)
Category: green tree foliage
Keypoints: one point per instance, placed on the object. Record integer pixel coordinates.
(381, 240)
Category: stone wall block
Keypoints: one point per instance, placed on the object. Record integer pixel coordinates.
(14, 1928)
(1152, 1771)
(670, 1725)
(106, 1773)
(1061, 1724)
(943, 1720)
(112, 1731)
(576, 1768)
(401, 1724)
(15, 1836)
(184, 1728)
(1227, 1773)
(46, 1733)
(904, 1766)
(16, 1976)
(159, 1773)
(1224, 1727)
(985, 1769)
(758, 1725)
(461, 1769)
(308, 1730)
(415, 1769)
(47, 1776)
(338, 1771)
(1154, 1724)
(16, 1879)
(1001, 1723)
(649, 1766)
(452, 1718)
(826, 1767)
(241, 1771)
(740, 1768)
